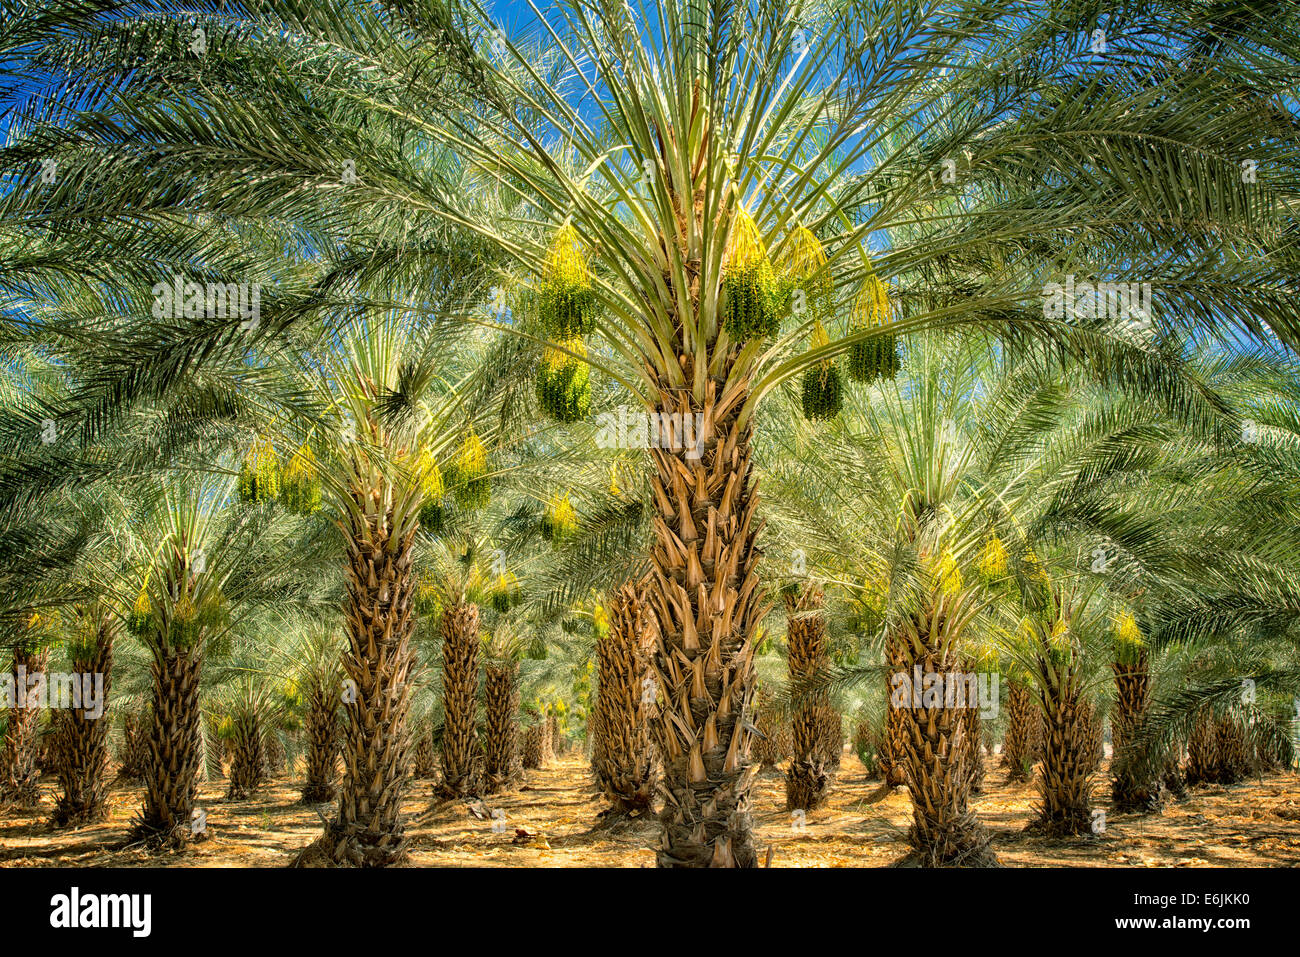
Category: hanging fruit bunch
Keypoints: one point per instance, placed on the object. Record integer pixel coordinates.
(1037, 584)
(948, 573)
(473, 487)
(1130, 646)
(259, 475)
(559, 519)
(429, 478)
(300, 483)
(805, 286)
(565, 300)
(750, 292)
(877, 357)
(505, 593)
(140, 619)
(993, 568)
(823, 390)
(564, 382)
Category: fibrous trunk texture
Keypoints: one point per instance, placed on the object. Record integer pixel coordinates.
(460, 647)
(379, 618)
(1024, 725)
(502, 766)
(426, 753)
(623, 758)
(19, 770)
(1135, 783)
(1202, 750)
(1065, 776)
(831, 738)
(944, 832)
(555, 735)
(248, 766)
(708, 601)
(893, 767)
(172, 758)
(1095, 736)
(772, 743)
(1236, 757)
(973, 735)
(82, 740)
(807, 780)
(133, 748)
(324, 699)
(534, 745)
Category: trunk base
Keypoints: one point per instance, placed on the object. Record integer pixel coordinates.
(339, 848)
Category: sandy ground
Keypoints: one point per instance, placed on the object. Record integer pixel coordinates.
(1255, 824)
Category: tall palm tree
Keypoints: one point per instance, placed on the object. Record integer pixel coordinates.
(688, 151)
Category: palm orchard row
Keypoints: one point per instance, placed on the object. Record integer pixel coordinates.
(732, 215)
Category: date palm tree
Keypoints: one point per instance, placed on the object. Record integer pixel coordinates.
(699, 153)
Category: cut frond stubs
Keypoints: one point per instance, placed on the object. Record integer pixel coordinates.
(876, 358)
(259, 475)
(823, 390)
(566, 300)
(300, 484)
(473, 487)
(559, 520)
(564, 383)
(429, 477)
(749, 287)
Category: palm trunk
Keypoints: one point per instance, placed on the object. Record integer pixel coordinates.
(379, 615)
(1024, 722)
(460, 647)
(248, 768)
(944, 832)
(133, 748)
(708, 601)
(622, 755)
(1065, 777)
(323, 733)
(1095, 736)
(807, 781)
(19, 771)
(1135, 773)
(501, 765)
(83, 740)
(772, 743)
(172, 755)
(973, 735)
(534, 750)
(830, 739)
(555, 734)
(894, 747)
(1203, 751)
(426, 753)
(1235, 759)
